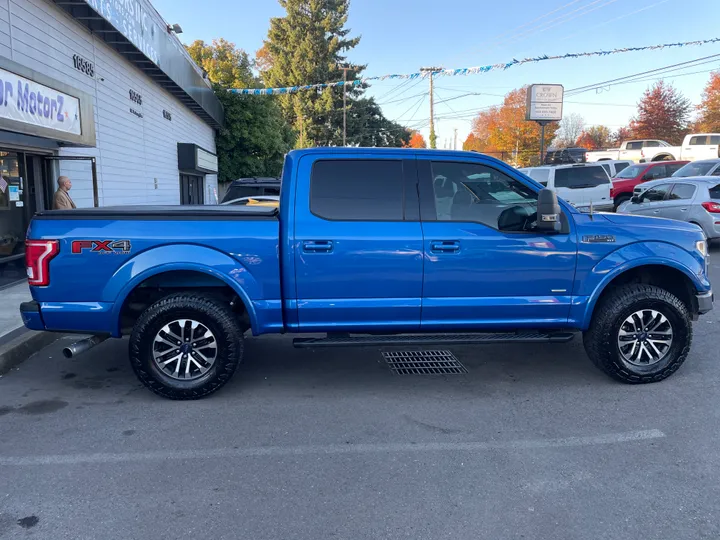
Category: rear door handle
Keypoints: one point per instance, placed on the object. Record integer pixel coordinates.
(317, 246)
(656, 211)
(445, 246)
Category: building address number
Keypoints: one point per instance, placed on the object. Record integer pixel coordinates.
(84, 66)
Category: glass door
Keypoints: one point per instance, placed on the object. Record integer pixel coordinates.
(13, 217)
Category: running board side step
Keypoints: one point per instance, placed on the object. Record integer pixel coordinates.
(345, 340)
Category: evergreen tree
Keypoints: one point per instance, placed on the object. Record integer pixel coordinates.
(305, 47)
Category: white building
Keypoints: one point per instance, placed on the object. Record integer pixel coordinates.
(101, 91)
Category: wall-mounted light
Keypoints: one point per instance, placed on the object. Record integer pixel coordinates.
(174, 28)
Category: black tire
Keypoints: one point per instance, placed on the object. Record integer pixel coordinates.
(619, 200)
(601, 339)
(215, 315)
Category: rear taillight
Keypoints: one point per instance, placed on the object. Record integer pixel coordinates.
(38, 254)
(712, 207)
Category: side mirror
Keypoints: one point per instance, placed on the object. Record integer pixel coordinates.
(548, 211)
(635, 199)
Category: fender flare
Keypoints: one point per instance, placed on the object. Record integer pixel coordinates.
(165, 259)
(617, 263)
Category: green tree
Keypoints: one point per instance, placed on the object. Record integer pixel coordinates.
(225, 64)
(367, 126)
(306, 46)
(255, 136)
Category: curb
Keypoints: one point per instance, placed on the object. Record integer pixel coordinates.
(22, 347)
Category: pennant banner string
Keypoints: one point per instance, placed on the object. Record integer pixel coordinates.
(463, 71)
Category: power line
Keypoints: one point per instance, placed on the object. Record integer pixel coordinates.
(588, 87)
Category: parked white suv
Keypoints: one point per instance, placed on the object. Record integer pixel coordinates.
(582, 184)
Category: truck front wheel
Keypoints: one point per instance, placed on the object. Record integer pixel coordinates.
(639, 334)
(186, 346)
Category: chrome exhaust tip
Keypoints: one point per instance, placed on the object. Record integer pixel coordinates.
(82, 346)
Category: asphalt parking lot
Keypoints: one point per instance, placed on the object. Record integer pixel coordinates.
(532, 443)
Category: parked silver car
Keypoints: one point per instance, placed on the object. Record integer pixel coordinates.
(695, 199)
(703, 167)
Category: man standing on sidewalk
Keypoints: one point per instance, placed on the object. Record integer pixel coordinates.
(62, 200)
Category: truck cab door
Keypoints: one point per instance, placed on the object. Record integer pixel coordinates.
(485, 266)
(357, 244)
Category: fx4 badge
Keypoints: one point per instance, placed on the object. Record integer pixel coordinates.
(598, 239)
(117, 247)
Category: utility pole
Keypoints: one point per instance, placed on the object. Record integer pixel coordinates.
(345, 68)
(455, 143)
(430, 71)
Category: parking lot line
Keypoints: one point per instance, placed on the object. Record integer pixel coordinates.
(330, 449)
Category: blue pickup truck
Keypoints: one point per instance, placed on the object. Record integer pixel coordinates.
(369, 247)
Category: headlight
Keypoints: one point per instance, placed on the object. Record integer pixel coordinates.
(701, 246)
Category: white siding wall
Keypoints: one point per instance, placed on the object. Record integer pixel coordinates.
(136, 157)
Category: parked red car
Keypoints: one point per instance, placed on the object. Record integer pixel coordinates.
(625, 181)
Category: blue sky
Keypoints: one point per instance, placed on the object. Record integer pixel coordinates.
(399, 36)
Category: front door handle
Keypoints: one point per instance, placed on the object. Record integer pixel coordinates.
(445, 246)
(656, 211)
(317, 246)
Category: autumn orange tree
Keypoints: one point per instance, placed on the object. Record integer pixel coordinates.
(709, 108)
(595, 137)
(416, 141)
(503, 129)
(662, 114)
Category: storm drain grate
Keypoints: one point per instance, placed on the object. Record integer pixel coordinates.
(424, 363)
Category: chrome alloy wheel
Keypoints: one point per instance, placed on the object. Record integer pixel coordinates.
(645, 337)
(184, 349)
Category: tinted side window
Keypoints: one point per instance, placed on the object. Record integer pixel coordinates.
(696, 141)
(659, 171)
(716, 172)
(357, 190)
(607, 168)
(715, 192)
(656, 194)
(620, 166)
(714, 139)
(651, 144)
(637, 145)
(271, 191)
(481, 194)
(580, 177)
(673, 167)
(682, 191)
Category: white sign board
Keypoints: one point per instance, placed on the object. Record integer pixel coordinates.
(206, 160)
(544, 102)
(31, 103)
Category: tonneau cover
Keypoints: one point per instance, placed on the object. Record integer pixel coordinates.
(170, 213)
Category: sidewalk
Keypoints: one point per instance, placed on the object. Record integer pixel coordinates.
(10, 300)
(16, 342)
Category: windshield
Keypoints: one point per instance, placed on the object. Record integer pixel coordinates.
(697, 168)
(631, 172)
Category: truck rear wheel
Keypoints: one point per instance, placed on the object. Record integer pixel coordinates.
(186, 346)
(639, 334)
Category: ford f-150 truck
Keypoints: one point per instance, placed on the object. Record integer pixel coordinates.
(371, 247)
(695, 146)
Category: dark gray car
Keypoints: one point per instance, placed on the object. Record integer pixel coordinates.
(695, 199)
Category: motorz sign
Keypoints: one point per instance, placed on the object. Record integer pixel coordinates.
(544, 102)
(31, 103)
